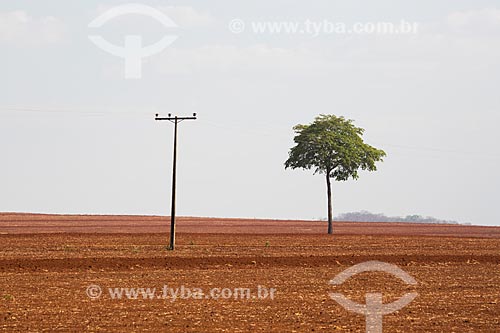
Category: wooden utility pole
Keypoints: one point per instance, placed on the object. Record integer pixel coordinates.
(175, 120)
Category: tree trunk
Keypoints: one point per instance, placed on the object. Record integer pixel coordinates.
(329, 194)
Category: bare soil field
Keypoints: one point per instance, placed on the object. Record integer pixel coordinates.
(14, 223)
(47, 264)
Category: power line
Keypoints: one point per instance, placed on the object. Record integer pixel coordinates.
(240, 127)
(68, 111)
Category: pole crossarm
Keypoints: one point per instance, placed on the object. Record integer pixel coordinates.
(175, 120)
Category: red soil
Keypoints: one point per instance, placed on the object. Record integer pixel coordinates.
(12, 223)
(48, 262)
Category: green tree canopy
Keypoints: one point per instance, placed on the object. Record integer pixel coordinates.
(332, 146)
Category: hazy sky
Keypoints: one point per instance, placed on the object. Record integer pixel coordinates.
(76, 137)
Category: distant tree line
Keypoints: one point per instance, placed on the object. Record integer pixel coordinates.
(365, 216)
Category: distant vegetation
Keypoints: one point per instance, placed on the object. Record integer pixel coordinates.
(365, 216)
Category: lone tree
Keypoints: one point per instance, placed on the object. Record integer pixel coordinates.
(332, 146)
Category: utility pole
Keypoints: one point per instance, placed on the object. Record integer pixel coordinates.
(175, 120)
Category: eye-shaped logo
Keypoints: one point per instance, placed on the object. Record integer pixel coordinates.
(374, 309)
(132, 51)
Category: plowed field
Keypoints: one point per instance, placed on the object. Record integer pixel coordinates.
(65, 273)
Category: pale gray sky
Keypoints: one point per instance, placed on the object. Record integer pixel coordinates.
(76, 137)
